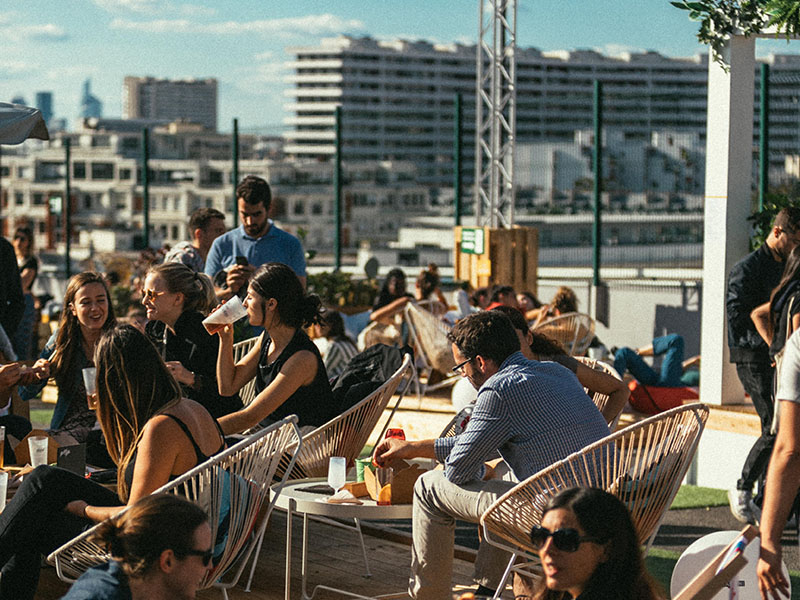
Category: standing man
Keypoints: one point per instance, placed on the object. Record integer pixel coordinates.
(12, 302)
(750, 284)
(533, 413)
(255, 242)
(205, 225)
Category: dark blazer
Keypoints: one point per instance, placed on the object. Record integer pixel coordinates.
(12, 303)
(196, 350)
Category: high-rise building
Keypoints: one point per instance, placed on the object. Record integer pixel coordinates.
(44, 102)
(18, 99)
(91, 107)
(192, 100)
(397, 99)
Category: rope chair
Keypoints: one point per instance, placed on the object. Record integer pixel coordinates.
(429, 334)
(574, 331)
(600, 399)
(240, 349)
(232, 486)
(643, 465)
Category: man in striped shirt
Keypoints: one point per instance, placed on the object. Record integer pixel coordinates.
(533, 413)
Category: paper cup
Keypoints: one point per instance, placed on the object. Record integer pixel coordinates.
(37, 445)
(90, 380)
(3, 489)
(228, 313)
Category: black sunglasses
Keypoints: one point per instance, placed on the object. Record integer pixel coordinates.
(205, 555)
(566, 540)
(457, 368)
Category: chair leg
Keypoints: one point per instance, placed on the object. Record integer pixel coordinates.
(256, 553)
(363, 548)
(506, 573)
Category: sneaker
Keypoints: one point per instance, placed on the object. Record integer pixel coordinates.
(741, 503)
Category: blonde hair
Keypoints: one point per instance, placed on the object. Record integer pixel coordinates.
(197, 289)
(133, 385)
(565, 300)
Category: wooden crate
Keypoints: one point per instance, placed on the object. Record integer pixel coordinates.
(511, 257)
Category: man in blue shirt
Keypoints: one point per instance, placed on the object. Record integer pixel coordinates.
(255, 242)
(533, 413)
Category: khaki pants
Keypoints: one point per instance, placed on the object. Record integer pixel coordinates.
(437, 505)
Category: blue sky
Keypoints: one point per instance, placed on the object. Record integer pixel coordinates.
(56, 45)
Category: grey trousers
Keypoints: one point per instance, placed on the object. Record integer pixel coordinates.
(437, 505)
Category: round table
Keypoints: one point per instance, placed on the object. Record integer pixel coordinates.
(293, 498)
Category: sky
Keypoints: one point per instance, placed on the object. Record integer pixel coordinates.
(56, 45)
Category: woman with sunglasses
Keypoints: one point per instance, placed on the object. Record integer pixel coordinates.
(177, 300)
(154, 434)
(86, 314)
(589, 550)
(160, 548)
(290, 375)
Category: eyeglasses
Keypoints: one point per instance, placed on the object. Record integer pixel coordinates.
(152, 294)
(458, 368)
(566, 540)
(205, 555)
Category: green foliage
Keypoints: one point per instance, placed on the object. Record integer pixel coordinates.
(120, 299)
(773, 203)
(693, 496)
(719, 19)
(340, 289)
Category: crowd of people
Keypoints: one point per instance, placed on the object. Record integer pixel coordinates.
(168, 397)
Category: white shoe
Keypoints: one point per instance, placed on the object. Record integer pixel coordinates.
(741, 503)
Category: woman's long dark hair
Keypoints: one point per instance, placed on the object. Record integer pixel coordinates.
(295, 307)
(791, 274)
(601, 515)
(385, 296)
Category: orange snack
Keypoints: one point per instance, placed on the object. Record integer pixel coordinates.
(385, 495)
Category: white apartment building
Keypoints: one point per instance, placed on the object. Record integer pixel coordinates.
(397, 99)
(193, 100)
(189, 169)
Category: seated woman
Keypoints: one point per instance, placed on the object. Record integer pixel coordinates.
(177, 300)
(384, 327)
(427, 291)
(12, 375)
(87, 313)
(536, 346)
(290, 375)
(153, 433)
(340, 348)
(588, 547)
(564, 301)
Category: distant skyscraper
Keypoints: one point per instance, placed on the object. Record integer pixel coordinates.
(90, 105)
(192, 100)
(44, 102)
(18, 100)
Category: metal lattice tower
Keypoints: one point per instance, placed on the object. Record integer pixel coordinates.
(496, 113)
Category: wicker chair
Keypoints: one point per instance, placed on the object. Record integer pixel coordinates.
(599, 398)
(643, 465)
(236, 481)
(240, 349)
(429, 334)
(574, 331)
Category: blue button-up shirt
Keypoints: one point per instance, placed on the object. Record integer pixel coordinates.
(274, 246)
(534, 413)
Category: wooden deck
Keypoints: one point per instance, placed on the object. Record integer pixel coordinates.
(335, 560)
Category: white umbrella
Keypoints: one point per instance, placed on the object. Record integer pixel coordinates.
(18, 123)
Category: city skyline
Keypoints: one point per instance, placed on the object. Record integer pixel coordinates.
(244, 44)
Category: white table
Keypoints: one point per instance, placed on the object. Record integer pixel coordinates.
(292, 499)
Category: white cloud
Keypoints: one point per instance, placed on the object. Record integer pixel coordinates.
(140, 6)
(268, 55)
(324, 24)
(618, 49)
(14, 68)
(44, 32)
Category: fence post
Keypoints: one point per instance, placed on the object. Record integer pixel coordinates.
(146, 187)
(457, 178)
(235, 172)
(67, 207)
(763, 137)
(597, 167)
(337, 193)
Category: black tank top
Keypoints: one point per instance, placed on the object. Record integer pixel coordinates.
(201, 458)
(313, 403)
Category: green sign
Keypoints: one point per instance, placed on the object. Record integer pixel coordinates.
(472, 240)
(55, 204)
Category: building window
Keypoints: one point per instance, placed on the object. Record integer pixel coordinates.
(102, 171)
(174, 232)
(19, 199)
(124, 174)
(79, 170)
(87, 201)
(41, 227)
(38, 199)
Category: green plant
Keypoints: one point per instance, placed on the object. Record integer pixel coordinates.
(719, 19)
(340, 289)
(762, 219)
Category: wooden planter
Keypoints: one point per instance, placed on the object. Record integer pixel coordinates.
(508, 257)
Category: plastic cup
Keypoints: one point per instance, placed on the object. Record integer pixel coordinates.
(384, 475)
(90, 383)
(3, 489)
(228, 313)
(2, 446)
(37, 445)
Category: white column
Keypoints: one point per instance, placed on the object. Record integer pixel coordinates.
(729, 163)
